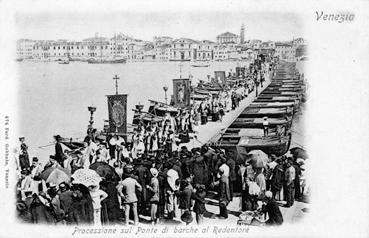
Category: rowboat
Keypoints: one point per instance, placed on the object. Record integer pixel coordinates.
(271, 105)
(277, 145)
(277, 89)
(278, 99)
(258, 122)
(201, 64)
(281, 93)
(107, 61)
(266, 112)
(64, 62)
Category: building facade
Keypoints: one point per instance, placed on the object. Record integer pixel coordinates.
(184, 49)
(205, 50)
(163, 52)
(24, 49)
(228, 38)
(162, 40)
(285, 51)
(225, 52)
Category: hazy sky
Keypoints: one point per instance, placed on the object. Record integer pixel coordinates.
(196, 25)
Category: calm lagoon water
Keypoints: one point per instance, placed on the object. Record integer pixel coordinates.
(53, 98)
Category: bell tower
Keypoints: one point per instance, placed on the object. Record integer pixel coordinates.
(242, 34)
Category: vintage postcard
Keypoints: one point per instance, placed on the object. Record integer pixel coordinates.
(184, 118)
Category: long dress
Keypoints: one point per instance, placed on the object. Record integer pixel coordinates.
(41, 213)
(200, 171)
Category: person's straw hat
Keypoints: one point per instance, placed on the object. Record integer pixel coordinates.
(154, 172)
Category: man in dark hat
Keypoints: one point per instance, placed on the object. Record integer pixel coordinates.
(52, 162)
(35, 167)
(232, 172)
(272, 209)
(290, 175)
(199, 169)
(65, 197)
(23, 156)
(59, 154)
(144, 177)
(210, 157)
(277, 178)
(184, 195)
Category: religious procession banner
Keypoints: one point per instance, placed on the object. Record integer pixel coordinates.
(240, 71)
(117, 106)
(220, 77)
(181, 92)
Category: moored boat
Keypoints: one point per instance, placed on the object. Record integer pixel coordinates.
(107, 61)
(64, 62)
(277, 145)
(201, 64)
(266, 112)
(258, 122)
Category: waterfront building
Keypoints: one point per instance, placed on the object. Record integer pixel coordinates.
(270, 44)
(97, 47)
(41, 50)
(77, 50)
(162, 40)
(225, 52)
(149, 55)
(243, 52)
(119, 46)
(136, 50)
(184, 49)
(256, 44)
(299, 41)
(205, 50)
(24, 49)
(162, 52)
(228, 38)
(301, 51)
(60, 50)
(285, 51)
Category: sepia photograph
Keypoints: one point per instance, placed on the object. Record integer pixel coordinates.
(162, 122)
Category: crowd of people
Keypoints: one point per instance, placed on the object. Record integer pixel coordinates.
(157, 177)
(165, 186)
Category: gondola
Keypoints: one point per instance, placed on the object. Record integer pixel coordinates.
(271, 105)
(278, 99)
(266, 112)
(277, 145)
(258, 122)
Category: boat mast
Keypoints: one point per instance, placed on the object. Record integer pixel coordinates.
(180, 69)
(101, 49)
(115, 45)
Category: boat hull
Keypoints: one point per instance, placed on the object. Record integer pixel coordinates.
(278, 145)
(119, 61)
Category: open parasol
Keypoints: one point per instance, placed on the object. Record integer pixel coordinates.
(298, 152)
(87, 177)
(105, 171)
(46, 172)
(56, 175)
(258, 158)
